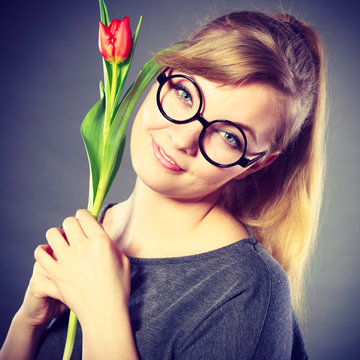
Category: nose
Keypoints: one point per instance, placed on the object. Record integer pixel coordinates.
(185, 137)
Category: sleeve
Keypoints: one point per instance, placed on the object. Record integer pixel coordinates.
(281, 337)
(229, 333)
(263, 327)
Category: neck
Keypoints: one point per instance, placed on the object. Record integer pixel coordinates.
(157, 223)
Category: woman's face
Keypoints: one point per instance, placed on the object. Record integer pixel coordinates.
(166, 156)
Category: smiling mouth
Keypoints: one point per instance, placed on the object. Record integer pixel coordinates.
(166, 157)
(165, 160)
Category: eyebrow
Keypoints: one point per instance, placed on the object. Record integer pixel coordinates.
(249, 130)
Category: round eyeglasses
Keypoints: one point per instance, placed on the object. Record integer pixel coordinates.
(221, 142)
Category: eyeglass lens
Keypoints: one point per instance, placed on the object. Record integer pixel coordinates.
(221, 141)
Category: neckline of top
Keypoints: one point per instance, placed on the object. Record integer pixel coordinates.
(216, 253)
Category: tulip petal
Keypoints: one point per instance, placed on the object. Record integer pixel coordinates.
(106, 45)
(123, 40)
(125, 66)
(114, 26)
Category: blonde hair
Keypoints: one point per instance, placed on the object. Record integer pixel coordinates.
(280, 203)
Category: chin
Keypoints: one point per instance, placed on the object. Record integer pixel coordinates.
(168, 187)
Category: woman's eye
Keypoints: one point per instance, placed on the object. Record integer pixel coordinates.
(184, 95)
(231, 139)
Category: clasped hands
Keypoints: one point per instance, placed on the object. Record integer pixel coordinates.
(88, 272)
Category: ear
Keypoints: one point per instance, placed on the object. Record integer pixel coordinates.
(260, 164)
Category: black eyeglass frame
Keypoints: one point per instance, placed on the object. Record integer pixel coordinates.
(243, 161)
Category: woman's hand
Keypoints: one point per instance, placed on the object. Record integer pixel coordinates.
(89, 271)
(42, 301)
(82, 268)
(41, 304)
(92, 277)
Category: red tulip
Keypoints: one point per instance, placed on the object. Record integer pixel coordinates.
(115, 41)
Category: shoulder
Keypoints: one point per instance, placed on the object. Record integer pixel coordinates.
(269, 297)
(277, 280)
(223, 304)
(280, 333)
(267, 280)
(253, 314)
(251, 263)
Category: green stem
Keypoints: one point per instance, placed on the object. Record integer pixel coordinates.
(70, 338)
(115, 74)
(117, 135)
(110, 95)
(99, 198)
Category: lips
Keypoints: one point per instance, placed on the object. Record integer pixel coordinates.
(165, 160)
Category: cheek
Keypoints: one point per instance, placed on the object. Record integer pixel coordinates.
(149, 116)
(217, 176)
(144, 121)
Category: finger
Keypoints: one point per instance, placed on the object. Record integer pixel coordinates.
(44, 257)
(48, 249)
(73, 230)
(39, 271)
(50, 290)
(62, 232)
(43, 286)
(89, 224)
(58, 243)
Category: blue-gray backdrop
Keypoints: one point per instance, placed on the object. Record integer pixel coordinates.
(50, 69)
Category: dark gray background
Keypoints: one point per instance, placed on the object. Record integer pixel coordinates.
(50, 69)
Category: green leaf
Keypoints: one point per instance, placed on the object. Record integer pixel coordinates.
(104, 165)
(121, 118)
(104, 16)
(117, 129)
(91, 132)
(107, 76)
(117, 164)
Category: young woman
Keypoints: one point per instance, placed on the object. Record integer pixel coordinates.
(206, 259)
